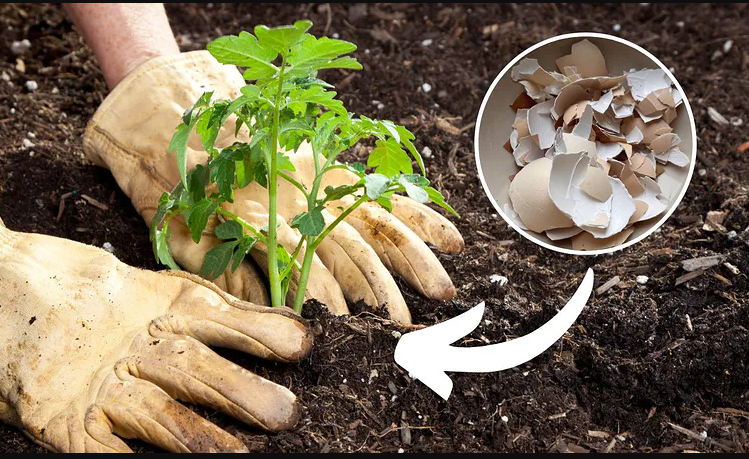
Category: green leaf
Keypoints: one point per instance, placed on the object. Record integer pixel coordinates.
(284, 163)
(229, 230)
(389, 159)
(163, 253)
(336, 193)
(358, 168)
(416, 179)
(414, 192)
(224, 170)
(281, 39)
(197, 217)
(375, 185)
(244, 248)
(437, 198)
(341, 63)
(252, 169)
(406, 139)
(245, 51)
(385, 202)
(198, 179)
(178, 145)
(310, 223)
(313, 54)
(203, 101)
(299, 98)
(217, 260)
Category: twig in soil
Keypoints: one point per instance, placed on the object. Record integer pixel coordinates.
(689, 276)
(608, 285)
(694, 435)
(451, 161)
(62, 205)
(95, 203)
(393, 428)
(610, 446)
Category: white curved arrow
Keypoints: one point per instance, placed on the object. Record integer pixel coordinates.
(427, 353)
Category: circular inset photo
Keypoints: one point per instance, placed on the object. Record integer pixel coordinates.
(585, 143)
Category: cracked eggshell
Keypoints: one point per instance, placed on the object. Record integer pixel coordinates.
(622, 208)
(586, 241)
(494, 124)
(644, 82)
(651, 197)
(563, 233)
(530, 198)
(587, 58)
(541, 125)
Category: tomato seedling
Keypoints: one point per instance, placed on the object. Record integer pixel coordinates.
(284, 105)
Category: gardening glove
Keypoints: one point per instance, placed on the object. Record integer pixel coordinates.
(130, 134)
(94, 351)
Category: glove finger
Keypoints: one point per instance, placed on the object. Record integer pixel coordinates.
(401, 250)
(360, 273)
(192, 373)
(140, 410)
(428, 224)
(246, 283)
(99, 438)
(222, 321)
(321, 286)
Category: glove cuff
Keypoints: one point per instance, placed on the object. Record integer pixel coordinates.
(8, 240)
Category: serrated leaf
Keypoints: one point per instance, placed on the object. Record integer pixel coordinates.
(163, 253)
(375, 185)
(299, 98)
(336, 193)
(416, 179)
(357, 168)
(244, 248)
(385, 203)
(252, 169)
(245, 51)
(281, 39)
(197, 217)
(313, 54)
(437, 198)
(178, 145)
(389, 159)
(217, 260)
(229, 230)
(414, 192)
(284, 163)
(310, 223)
(406, 139)
(198, 178)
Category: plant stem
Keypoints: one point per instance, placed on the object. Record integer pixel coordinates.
(274, 279)
(301, 288)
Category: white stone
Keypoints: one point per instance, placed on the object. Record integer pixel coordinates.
(642, 280)
(20, 47)
(427, 42)
(426, 152)
(26, 143)
(505, 419)
(426, 87)
(108, 247)
(616, 27)
(32, 85)
(497, 279)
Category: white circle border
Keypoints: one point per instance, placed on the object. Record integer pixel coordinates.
(674, 205)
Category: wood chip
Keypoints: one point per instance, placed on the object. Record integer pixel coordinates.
(608, 285)
(689, 276)
(610, 446)
(94, 202)
(444, 126)
(598, 434)
(694, 264)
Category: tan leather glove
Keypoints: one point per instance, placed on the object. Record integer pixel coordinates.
(93, 350)
(130, 134)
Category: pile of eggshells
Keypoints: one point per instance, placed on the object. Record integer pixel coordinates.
(591, 147)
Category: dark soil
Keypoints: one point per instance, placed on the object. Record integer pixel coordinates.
(633, 367)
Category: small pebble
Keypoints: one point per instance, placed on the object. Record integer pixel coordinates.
(616, 27)
(336, 36)
(642, 280)
(621, 438)
(5, 76)
(727, 46)
(108, 247)
(345, 380)
(442, 94)
(736, 121)
(505, 419)
(396, 334)
(702, 172)
(401, 450)
(55, 91)
(31, 154)
(680, 24)
(32, 85)
(426, 152)
(703, 434)
(732, 234)
(26, 143)
(32, 135)
(20, 47)
(427, 42)
(380, 106)
(12, 111)
(426, 87)
(716, 55)
(497, 279)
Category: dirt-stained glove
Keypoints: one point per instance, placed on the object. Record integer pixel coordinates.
(130, 134)
(93, 350)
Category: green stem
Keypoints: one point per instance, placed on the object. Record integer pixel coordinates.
(296, 184)
(335, 223)
(294, 263)
(301, 289)
(274, 279)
